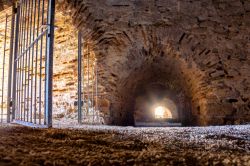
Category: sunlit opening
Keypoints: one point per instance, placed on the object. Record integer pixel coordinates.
(159, 112)
(162, 112)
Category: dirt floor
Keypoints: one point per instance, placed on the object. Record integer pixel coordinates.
(97, 145)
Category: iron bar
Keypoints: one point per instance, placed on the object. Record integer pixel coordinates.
(45, 62)
(36, 59)
(18, 89)
(79, 103)
(23, 62)
(83, 75)
(26, 63)
(29, 124)
(32, 64)
(21, 42)
(96, 91)
(88, 78)
(9, 97)
(93, 85)
(19, 74)
(19, 65)
(40, 71)
(15, 63)
(28, 98)
(49, 64)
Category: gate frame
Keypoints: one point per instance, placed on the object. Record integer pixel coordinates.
(9, 96)
(48, 68)
(49, 64)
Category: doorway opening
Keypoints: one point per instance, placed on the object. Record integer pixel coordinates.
(154, 107)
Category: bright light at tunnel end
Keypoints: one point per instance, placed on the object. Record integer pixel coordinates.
(159, 112)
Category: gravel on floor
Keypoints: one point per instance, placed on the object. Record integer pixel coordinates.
(110, 145)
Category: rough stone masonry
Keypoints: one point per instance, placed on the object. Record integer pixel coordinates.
(198, 50)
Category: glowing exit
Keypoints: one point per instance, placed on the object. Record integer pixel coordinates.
(161, 112)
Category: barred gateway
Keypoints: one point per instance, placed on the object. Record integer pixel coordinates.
(113, 62)
(32, 38)
(28, 46)
(123, 82)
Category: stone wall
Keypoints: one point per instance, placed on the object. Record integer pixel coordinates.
(201, 48)
(65, 65)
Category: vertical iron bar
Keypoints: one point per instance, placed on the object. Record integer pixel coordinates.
(32, 61)
(83, 76)
(23, 60)
(45, 62)
(49, 64)
(31, 36)
(96, 93)
(26, 61)
(26, 117)
(16, 116)
(88, 80)
(11, 62)
(36, 58)
(79, 77)
(27, 82)
(19, 65)
(18, 89)
(93, 85)
(15, 64)
(40, 71)
(22, 41)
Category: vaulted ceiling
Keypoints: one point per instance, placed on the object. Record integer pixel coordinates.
(199, 49)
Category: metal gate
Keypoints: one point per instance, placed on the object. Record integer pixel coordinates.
(31, 93)
(87, 103)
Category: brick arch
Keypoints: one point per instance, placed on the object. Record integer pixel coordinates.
(155, 62)
(209, 46)
(202, 44)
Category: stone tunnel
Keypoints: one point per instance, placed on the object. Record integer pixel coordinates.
(129, 82)
(196, 52)
(193, 54)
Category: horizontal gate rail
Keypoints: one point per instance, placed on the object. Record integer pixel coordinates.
(29, 124)
(32, 44)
